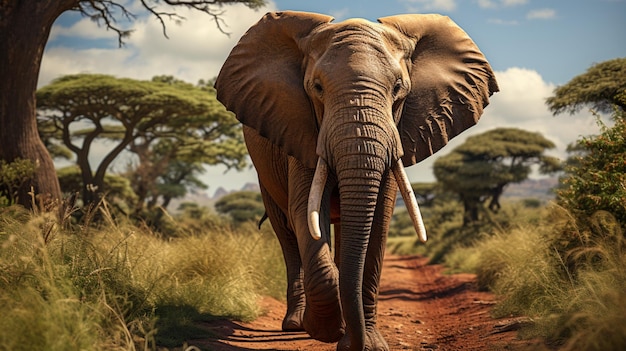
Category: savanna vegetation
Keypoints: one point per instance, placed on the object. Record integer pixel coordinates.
(168, 128)
(561, 265)
(119, 286)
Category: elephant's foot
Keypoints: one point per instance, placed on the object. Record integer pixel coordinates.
(374, 341)
(293, 320)
(327, 327)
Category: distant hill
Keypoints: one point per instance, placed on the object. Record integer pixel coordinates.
(541, 189)
(221, 192)
(204, 199)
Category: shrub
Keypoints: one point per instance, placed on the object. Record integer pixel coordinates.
(241, 206)
(596, 176)
(12, 176)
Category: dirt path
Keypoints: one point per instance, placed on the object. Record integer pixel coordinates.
(419, 309)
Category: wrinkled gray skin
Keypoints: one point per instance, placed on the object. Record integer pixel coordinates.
(359, 96)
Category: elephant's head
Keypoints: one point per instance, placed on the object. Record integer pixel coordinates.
(357, 99)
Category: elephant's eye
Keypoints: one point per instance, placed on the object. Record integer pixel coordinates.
(397, 87)
(317, 86)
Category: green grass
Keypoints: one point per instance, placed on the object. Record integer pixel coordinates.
(120, 287)
(448, 237)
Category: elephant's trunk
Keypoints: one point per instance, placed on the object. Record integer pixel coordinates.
(361, 146)
(359, 183)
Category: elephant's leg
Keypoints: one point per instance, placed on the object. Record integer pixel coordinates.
(323, 317)
(295, 288)
(373, 265)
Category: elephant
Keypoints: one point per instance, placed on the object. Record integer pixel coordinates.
(332, 113)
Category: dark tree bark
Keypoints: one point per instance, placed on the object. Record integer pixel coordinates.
(24, 30)
(470, 205)
(494, 204)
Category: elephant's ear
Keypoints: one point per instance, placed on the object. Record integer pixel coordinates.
(451, 82)
(262, 82)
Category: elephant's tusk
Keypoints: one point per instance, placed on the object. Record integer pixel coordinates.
(409, 199)
(315, 198)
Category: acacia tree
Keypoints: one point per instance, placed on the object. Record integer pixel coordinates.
(481, 168)
(169, 161)
(170, 168)
(24, 30)
(603, 87)
(426, 193)
(158, 121)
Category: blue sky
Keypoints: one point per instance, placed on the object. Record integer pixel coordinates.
(533, 45)
(558, 38)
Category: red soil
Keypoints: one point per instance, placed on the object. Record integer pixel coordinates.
(419, 308)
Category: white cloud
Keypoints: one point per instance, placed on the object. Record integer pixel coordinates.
(487, 4)
(430, 5)
(84, 28)
(522, 94)
(513, 2)
(502, 22)
(541, 14)
(491, 4)
(59, 61)
(519, 104)
(195, 49)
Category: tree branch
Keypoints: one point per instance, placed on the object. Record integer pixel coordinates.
(107, 12)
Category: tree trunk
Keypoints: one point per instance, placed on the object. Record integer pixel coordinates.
(24, 29)
(496, 193)
(470, 205)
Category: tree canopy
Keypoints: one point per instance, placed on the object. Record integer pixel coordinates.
(480, 169)
(24, 30)
(603, 86)
(160, 121)
(241, 206)
(595, 173)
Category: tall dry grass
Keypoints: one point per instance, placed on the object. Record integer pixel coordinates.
(570, 282)
(117, 286)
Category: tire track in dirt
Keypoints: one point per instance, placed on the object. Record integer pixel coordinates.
(420, 308)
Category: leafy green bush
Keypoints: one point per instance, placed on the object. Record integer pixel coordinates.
(12, 176)
(596, 177)
(241, 206)
(447, 234)
(117, 188)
